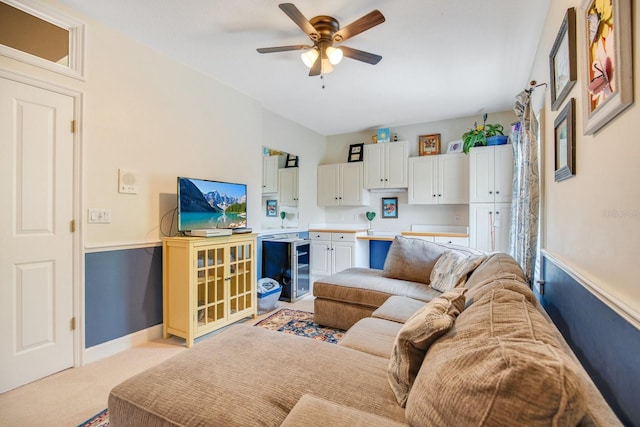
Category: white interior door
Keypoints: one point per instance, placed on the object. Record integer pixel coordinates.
(36, 240)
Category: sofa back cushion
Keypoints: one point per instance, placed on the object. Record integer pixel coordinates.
(496, 382)
(413, 259)
(452, 268)
(415, 337)
(495, 265)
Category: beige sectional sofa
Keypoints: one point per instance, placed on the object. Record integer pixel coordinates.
(481, 353)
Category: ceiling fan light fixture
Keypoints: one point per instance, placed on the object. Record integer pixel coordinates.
(334, 55)
(309, 57)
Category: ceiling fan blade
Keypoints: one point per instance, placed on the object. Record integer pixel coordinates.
(360, 55)
(296, 16)
(370, 20)
(283, 48)
(316, 68)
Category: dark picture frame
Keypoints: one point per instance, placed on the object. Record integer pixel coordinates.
(291, 162)
(271, 208)
(562, 60)
(389, 207)
(355, 152)
(565, 142)
(607, 88)
(429, 145)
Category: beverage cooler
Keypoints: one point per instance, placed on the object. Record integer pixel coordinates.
(286, 260)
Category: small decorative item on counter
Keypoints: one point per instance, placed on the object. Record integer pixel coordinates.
(283, 215)
(479, 135)
(370, 217)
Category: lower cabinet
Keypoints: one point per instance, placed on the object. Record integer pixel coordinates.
(207, 283)
(455, 240)
(489, 225)
(332, 252)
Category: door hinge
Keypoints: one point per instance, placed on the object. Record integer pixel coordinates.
(73, 323)
(73, 126)
(73, 225)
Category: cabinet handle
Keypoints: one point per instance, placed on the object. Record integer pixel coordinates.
(497, 192)
(490, 192)
(386, 179)
(434, 195)
(381, 180)
(439, 195)
(497, 213)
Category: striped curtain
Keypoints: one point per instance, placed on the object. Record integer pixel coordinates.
(525, 201)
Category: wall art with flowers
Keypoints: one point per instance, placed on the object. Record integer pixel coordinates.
(608, 87)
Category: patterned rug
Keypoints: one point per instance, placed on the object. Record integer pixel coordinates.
(298, 322)
(100, 420)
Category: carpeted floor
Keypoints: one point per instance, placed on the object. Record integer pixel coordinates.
(286, 320)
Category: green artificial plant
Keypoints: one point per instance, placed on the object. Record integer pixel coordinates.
(479, 134)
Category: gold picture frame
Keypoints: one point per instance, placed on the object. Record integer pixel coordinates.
(429, 145)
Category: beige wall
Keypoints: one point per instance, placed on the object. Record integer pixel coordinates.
(592, 221)
(146, 113)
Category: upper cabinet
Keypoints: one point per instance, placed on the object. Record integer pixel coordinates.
(288, 186)
(491, 174)
(270, 174)
(385, 165)
(341, 184)
(439, 180)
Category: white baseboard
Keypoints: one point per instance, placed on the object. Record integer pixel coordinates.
(112, 347)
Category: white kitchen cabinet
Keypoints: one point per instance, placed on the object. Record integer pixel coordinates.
(332, 252)
(341, 185)
(270, 174)
(385, 165)
(288, 186)
(489, 225)
(491, 174)
(440, 179)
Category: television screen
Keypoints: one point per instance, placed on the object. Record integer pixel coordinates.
(211, 204)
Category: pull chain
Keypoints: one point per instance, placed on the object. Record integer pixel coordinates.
(322, 79)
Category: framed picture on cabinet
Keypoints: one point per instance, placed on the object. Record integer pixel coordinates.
(291, 162)
(389, 207)
(355, 152)
(455, 146)
(429, 145)
(608, 62)
(562, 60)
(565, 142)
(272, 208)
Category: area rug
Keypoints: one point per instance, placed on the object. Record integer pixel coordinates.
(298, 322)
(100, 420)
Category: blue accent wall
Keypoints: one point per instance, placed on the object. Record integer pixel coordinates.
(378, 250)
(607, 345)
(123, 293)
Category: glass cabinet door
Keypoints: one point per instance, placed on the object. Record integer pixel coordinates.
(240, 284)
(210, 295)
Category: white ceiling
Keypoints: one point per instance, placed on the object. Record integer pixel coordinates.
(441, 58)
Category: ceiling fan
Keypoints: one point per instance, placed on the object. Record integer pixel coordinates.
(324, 31)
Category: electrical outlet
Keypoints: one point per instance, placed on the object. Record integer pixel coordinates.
(99, 216)
(456, 219)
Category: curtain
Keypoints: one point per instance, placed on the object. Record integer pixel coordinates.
(525, 200)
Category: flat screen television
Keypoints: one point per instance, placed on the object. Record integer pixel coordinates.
(211, 204)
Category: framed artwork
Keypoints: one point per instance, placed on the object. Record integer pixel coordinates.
(455, 146)
(355, 152)
(562, 60)
(272, 208)
(608, 67)
(429, 145)
(565, 142)
(389, 207)
(384, 135)
(291, 162)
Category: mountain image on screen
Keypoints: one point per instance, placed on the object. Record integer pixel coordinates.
(211, 204)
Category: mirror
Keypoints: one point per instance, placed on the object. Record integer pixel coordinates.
(41, 38)
(279, 189)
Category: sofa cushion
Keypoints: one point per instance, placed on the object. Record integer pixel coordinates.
(496, 382)
(494, 266)
(415, 337)
(312, 411)
(373, 336)
(411, 259)
(368, 287)
(398, 309)
(452, 268)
